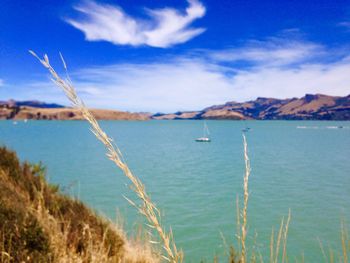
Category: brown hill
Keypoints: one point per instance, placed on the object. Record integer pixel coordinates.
(309, 107)
(13, 111)
(41, 224)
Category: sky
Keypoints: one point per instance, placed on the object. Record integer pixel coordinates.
(171, 55)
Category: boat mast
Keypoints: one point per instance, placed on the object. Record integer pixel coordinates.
(205, 130)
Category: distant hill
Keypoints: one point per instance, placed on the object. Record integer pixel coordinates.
(309, 107)
(36, 110)
(30, 103)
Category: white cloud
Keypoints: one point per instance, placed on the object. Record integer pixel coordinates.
(331, 79)
(344, 24)
(274, 52)
(180, 84)
(165, 27)
(190, 84)
(195, 82)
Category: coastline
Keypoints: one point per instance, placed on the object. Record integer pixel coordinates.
(309, 107)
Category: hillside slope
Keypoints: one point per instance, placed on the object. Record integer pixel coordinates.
(39, 224)
(34, 110)
(309, 107)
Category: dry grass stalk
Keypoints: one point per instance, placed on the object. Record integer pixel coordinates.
(224, 242)
(285, 236)
(238, 230)
(334, 255)
(245, 202)
(345, 242)
(253, 257)
(242, 220)
(322, 250)
(272, 245)
(148, 208)
(281, 238)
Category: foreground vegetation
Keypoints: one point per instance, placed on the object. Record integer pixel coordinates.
(39, 224)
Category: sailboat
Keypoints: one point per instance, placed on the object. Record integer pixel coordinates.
(205, 137)
(246, 129)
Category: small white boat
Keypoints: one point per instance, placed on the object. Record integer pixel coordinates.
(246, 128)
(203, 139)
(206, 133)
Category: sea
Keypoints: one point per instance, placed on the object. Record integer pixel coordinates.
(301, 167)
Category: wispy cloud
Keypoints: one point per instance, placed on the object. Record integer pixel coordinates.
(165, 27)
(274, 52)
(332, 79)
(344, 24)
(185, 83)
(179, 84)
(191, 82)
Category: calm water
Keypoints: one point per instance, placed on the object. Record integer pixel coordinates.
(195, 184)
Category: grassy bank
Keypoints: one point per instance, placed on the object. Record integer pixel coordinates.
(40, 224)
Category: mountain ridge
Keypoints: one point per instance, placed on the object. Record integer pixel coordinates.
(308, 107)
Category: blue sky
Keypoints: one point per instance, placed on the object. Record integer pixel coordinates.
(175, 55)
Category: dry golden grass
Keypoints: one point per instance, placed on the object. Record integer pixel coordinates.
(242, 215)
(342, 255)
(39, 224)
(147, 208)
(245, 201)
(345, 242)
(242, 226)
(278, 241)
(282, 236)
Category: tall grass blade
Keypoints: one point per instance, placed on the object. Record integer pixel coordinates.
(148, 208)
(245, 201)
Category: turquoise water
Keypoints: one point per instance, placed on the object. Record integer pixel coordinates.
(302, 166)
